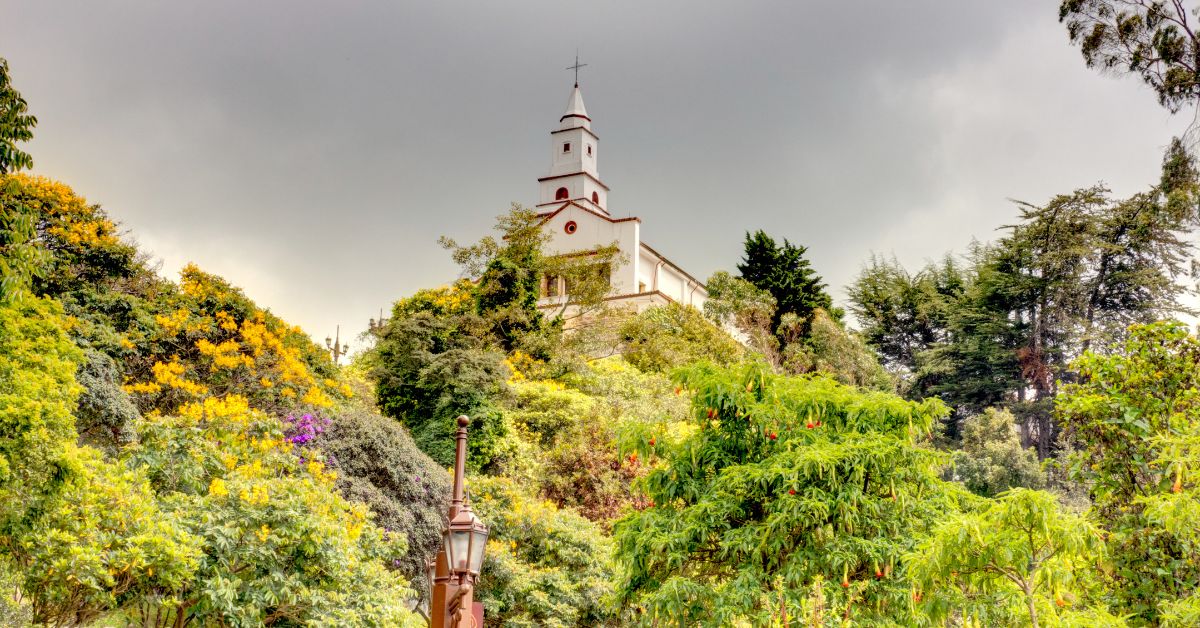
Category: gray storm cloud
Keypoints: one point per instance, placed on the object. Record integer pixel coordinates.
(313, 152)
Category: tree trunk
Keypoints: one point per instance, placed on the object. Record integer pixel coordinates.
(1033, 619)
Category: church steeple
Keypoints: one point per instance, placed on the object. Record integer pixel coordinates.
(576, 114)
(574, 175)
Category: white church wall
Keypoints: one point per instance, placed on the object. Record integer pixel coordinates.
(592, 232)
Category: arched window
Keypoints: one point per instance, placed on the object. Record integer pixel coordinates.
(596, 197)
(561, 194)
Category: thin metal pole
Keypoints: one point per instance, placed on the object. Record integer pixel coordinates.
(460, 465)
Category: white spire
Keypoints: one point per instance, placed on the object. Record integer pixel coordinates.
(576, 114)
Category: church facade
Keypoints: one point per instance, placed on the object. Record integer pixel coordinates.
(573, 205)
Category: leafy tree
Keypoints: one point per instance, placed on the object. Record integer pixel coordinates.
(16, 125)
(832, 350)
(106, 546)
(71, 524)
(734, 303)
(783, 271)
(900, 314)
(1071, 275)
(429, 370)
(667, 336)
(511, 270)
(20, 259)
(991, 459)
(543, 566)
(1133, 417)
(781, 482)
(106, 414)
(1153, 39)
(1017, 560)
(37, 394)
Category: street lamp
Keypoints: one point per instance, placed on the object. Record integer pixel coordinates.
(464, 542)
(457, 565)
(336, 347)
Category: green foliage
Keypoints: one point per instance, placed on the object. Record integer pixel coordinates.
(830, 349)
(543, 566)
(277, 544)
(37, 394)
(428, 370)
(1016, 560)
(900, 314)
(21, 259)
(16, 125)
(735, 303)
(378, 463)
(107, 544)
(1154, 40)
(71, 524)
(664, 337)
(106, 414)
(753, 506)
(572, 442)
(511, 270)
(783, 271)
(1133, 416)
(990, 459)
(1070, 275)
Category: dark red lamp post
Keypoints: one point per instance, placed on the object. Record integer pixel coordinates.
(456, 569)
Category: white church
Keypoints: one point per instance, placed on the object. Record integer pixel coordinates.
(573, 203)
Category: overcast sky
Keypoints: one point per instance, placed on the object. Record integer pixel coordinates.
(313, 152)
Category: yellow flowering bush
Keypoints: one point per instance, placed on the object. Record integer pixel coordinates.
(454, 299)
(275, 537)
(217, 342)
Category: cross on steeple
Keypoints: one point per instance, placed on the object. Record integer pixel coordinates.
(576, 67)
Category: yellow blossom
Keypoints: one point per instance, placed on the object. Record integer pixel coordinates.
(216, 488)
(226, 322)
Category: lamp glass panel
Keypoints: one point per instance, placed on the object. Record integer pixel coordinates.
(478, 543)
(449, 547)
(460, 540)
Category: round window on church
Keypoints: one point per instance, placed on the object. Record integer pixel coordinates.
(561, 193)
(570, 227)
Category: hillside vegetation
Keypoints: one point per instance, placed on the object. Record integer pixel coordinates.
(1009, 436)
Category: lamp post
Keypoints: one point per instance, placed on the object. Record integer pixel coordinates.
(336, 347)
(456, 568)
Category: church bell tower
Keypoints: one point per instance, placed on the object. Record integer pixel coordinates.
(573, 174)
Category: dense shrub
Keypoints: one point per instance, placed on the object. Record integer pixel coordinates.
(667, 336)
(106, 414)
(1135, 420)
(990, 459)
(378, 463)
(277, 543)
(544, 566)
(821, 344)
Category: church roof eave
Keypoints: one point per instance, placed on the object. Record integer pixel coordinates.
(668, 262)
(547, 216)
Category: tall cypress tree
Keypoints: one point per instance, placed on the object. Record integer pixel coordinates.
(783, 271)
